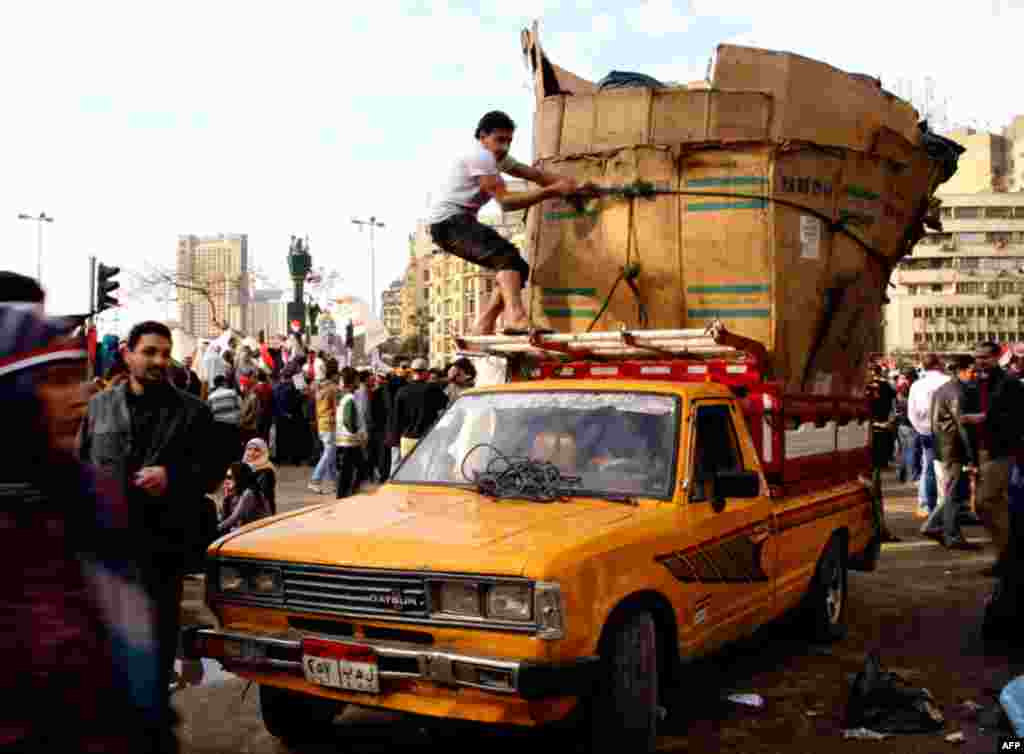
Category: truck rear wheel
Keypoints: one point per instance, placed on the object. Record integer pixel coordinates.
(624, 708)
(826, 600)
(298, 718)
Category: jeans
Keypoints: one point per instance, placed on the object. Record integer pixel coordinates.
(927, 490)
(910, 454)
(326, 468)
(945, 516)
(1016, 489)
(993, 499)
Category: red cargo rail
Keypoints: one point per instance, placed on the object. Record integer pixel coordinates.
(804, 441)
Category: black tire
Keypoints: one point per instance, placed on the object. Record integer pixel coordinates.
(827, 598)
(298, 718)
(624, 710)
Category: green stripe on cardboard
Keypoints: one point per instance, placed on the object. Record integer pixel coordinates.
(740, 288)
(735, 180)
(862, 193)
(570, 312)
(728, 313)
(569, 291)
(570, 214)
(715, 206)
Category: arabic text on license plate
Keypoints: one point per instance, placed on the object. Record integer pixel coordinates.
(341, 674)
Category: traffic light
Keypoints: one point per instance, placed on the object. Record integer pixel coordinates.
(350, 335)
(104, 285)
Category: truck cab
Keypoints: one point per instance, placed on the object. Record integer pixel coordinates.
(555, 546)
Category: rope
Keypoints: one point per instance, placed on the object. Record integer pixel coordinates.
(646, 190)
(629, 273)
(518, 477)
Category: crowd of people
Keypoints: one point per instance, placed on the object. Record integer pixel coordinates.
(955, 432)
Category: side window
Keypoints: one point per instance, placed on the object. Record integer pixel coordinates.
(716, 449)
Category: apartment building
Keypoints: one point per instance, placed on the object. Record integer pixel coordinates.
(965, 284)
(391, 308)
(213, 283)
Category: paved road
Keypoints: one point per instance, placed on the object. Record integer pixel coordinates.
(922, 609)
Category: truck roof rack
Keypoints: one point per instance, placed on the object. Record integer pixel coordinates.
(711, 342)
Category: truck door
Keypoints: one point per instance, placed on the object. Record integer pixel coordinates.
(732, 555)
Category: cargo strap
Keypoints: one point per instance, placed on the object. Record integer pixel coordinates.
(646, 190)
(629, 273)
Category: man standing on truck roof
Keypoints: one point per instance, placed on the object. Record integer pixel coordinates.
(473, 181)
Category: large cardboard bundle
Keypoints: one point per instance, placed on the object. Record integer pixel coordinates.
(781, 225)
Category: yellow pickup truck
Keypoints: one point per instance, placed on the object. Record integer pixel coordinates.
(558, 545)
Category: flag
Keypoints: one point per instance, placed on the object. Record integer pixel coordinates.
(364, 323)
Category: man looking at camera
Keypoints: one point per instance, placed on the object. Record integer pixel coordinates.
(146, 434)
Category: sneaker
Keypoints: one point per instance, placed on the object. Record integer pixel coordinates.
(313, 487)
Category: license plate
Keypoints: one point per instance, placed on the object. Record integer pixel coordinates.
(341, 674)
(340, 666)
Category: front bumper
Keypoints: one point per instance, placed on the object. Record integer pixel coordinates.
(282, 653)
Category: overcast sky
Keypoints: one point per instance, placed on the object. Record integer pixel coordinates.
(132, 122)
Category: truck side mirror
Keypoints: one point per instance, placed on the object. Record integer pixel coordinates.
(741, 484)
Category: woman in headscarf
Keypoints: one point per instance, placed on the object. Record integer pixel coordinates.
(257, 456)
(243, 501)
(80, 664)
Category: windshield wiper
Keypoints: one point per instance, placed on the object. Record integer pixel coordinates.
(615, 497)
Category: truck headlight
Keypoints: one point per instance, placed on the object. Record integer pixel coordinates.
(547, 599)
(509, 602)
(266, 581)
(231, 579)
(460, 598)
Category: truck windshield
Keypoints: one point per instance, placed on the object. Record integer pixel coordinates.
(615, 442)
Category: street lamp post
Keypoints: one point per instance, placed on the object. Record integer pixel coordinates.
(372, 222)
(43, 218)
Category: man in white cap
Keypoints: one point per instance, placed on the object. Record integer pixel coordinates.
(417, 407)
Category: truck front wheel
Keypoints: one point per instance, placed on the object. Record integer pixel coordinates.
(297, 718)
(624, 709)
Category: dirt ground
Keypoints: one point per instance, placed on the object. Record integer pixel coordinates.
(921, 610)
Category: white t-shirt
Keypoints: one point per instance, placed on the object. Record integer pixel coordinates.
(461, 193)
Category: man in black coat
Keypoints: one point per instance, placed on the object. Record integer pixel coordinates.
(147, 435)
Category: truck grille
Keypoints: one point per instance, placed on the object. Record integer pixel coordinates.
(334, 590)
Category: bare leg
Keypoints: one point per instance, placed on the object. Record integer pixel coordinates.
(511, 284)
(488, 319)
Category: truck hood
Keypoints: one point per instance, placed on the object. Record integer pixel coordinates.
(428, 528)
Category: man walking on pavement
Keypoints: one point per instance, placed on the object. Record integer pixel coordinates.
(882, 397)
(417, 407)
(151, 438)
(1000, 427)
(954, 450)
(473, 181)
(919, 411)
(380, 416)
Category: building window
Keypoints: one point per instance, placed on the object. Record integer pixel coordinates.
(1018, 212)
(1003, 337)
(911, 290)
(917, 312)
(999, 213)
(1011, 311)
(970, 311)
(936, 287)
(918, 337)
(928, 313)
(928, 337)
(968, 213)
(946, 212)
(959, 311)
(961, 337)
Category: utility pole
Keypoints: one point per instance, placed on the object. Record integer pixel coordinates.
(372, 222)
(43, 218)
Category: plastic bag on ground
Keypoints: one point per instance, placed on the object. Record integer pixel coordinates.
(1012, 700)
(884, 702)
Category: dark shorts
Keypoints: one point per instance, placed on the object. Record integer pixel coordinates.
(467, 238)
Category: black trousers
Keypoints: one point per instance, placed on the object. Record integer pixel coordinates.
(163, 578)
(380, 455)
(350, 461)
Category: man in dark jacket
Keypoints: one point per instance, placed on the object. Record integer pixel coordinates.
(882, 396)
(417, 407)
(148, 436)
(954, 450)
(380, 417)
(1000, 428)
